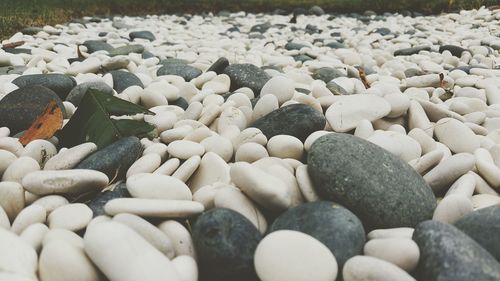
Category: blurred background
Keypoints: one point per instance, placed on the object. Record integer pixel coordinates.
(17, 14)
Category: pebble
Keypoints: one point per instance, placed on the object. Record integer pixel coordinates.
(34, 235)
(456, 135)
(4, 219)
(284, 146)
(21, 167)
(60, 234)
(122, 254)
(153, 207)
(28, 216)
(212, 169)
(187, 169)
(402, 252)
(276, 260)
(73, 217)
(40, 150)
(71, 157)
(6, 158)
(180, 237)
(11, 198)
(59, 83)
(157, 186)
(361, 268)
(452, 208)
(279, 86)
(246, 75)
(449, 170)
(184, 149)
(398, 232)
(64, 181)
(17, 257)
(146, 164)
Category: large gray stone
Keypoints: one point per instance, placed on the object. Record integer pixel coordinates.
(59, 83)
(247, 75)
(447, 254)
(21, 107)
(97, 45)
(380, 188)
(76, 95)
(483, 226)
(124, 79)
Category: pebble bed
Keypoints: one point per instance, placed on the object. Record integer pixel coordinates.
(323, 147)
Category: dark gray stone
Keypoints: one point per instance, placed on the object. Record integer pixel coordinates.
(125, 50)
(97, 45)
(454, 50)
(97, 203)
(327, 74)
(302, 58)
(31, 30)
(173, 61)
(183, 70)
(247, 75)
(225, 243)
(377, 186)
(148, 35)
(18, 69)
(21, 107)
(332, 224)
(411, 51)
(18, 51)
(298, 120)
(410, 72)
(219, 65)
(294, 46)
(114, 159)
(124, 79)
(382, 31)
(311, 29)
(483, 226)
(316, 10)
(447, 254)
(59, 83)
(76, 95)
(147, 55)
(335, 45)
(261, 28)
(180, 102)
(336, 89)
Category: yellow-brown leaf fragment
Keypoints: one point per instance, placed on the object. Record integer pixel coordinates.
(45, 125)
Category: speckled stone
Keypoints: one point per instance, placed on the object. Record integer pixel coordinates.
(219, 65)
(127, 49)
(381, 189)
(411, 51)
(123, 79)
(247, 75)
(59, 83)
(327, 74)
(183, 70)
(447, 254)
(97, 45)
(454, 50)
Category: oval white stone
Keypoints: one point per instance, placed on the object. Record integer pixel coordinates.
(19, 168)
(28, 216)
(184, 149)
(279, 86)
(72, 217)
(146, 164)
(285, 146)
(180, 237)
(34, 235)
(17, 256)
(69, 158)
(452, 208)
(40, 150)
(153, 207)
(402, 252)
(361, 268)
(64, 181)
(456, 135)
(11, 198)
(212, 169)
(157, 186)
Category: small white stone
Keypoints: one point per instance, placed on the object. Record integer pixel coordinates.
(146, 164)
(360, 268)
(364, 129)
(11, 144)
(6, 158)
(28, 216)
(40, 150)
(265, 189)
(11, 198)
(162, 121)
(464, 186)
(61, 234)
(184, 149)
(187, 169)
(157, 186)
(426, 142)
(290, 181)
(180, 237)
(312, 138)
(17, 256)
(186, 267)
(250, 135)
(417, 118)
(399, 104)
(212, 169)
(456, 135)
(153, 207)
(250, 152)
(281, 256)
(285, 146)
(19, 168)
(398, 232)
(64, 181)
(279, 86)
(399, 251)
(219, 145)
(73, 217)
(34, 235)
(51, 202)
(169, 167)
(4, 219)
(122, 254)
(452, 208)
(157, 148)
(149, 232)
(449, 170)
(305, 184)
(231, 116)
(265, 105)
(398, 144)
(219, 84)
(484, 200)
(346, 113)
(69, 158)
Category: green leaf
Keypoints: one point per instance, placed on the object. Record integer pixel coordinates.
(92, 121)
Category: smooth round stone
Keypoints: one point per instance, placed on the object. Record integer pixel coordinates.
(97, 45)
(186, 267)
(361, 268)
(378, 194)
(184, 149)
(449, 170)
(40, 150)
(17, 256)
(343, 235)
(280, 256)
(115, 159)
(250, 152)
(402, 252)
(452, 208)
(60, 234)
(298, 120)
(247, 75)
(143, 34)
(219, 65)
(69, 158)
(265, 105)
(59, 83)
(125, 50)
(442, 255)
(219, 145)
(398, 232)
(21, 167)
(123, 79)
(279, 86)
(346, 113)
(156, 186)
(232, 198)
(180, 237)
(397, 143)
(60, 261)
(183, 70)
(4, 219)
(399, 104)
(6, 158)
(482, 226)
(305, 184)
(146, 164)
(265, 189)
(34, 234)
(64, 181)
(78, 92)
(284, 146)
(411, 51)
(149, 232)
(187, 169)
(11, 145)
(158, 149)
(212, 169)
(28, 216)
(11, 198)
(248, 135)
(169, 167)
(73, 217)
(225, 243)
(123, 255)
(456, 135)
(313, 137)
(153, 207)
(97, 203)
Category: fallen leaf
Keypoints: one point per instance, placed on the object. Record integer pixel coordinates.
(13, 45)
(362, 76)
(45, 125)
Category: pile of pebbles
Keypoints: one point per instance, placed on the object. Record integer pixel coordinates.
(326, 147)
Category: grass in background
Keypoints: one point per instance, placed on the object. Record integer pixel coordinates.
(17, 14)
